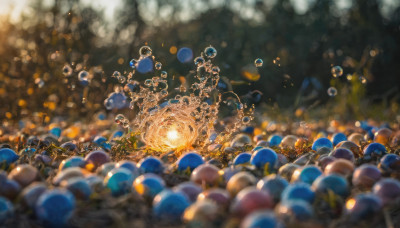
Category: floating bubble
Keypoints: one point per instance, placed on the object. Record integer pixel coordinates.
(185, 55)
(83, 75)
(210, 52)
(158, 65)
(133, 63)
(115, 100)
(363, 80)
(39, 82)
(246, 119)
(145, 65)
(164, 74)
(199, 61)
(337, 71)
(116, 74)
(258, 62)
(145, 51)
(332, 91)
(67, 70)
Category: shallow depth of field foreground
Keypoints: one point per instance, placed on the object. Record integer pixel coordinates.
(207, 113)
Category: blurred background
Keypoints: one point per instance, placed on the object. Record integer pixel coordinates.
(299, 42)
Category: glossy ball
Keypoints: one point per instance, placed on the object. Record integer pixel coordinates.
(10, 189)
(210, 52)
(340, 166)
(169, 205)
(249, 200)
(343, 153)
(24, 174)
(322, 142)
(338, 137)
(388, 190)
(363, 207)
(97, 158)
(119, 181)
(74, 161)
(151, 165)
(366, 175)
(298, 191)
(374, 150)
(55, 207)
(274, 140)
(205, 175)
(8, 156)
(190, 189)
(287, 170)
(189, 161)
(149, 185)
(289, 142)
(79, 187)
(67, 174)
(383, 135)
(220, 196)
(105, 168)
(200, 214)
(294, 210)
(241, 140)
(274, 185)
(264, 158)
(242, 158)
(130, 165)
(352, 147)
(356, 138)
(184, 55)
(261, 218)
(335, 183)
(240, 181)
(31, 194)
(390, 163)
(322, 162)
(6, 209)
(306, 174)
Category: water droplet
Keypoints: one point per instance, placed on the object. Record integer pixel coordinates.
(67, 70)
(332, 91)
(349, 77)
(133, 63)
(116, 74)
(121, 79)
(39, 82)
(210, 52)
(199, 61)
(337, 71)
(83, 76)
(148, 82)
(185, 55)
(363, 80)
(164, 74)
(258, 62)
(215, 70)
(158, 65)
(145, 51)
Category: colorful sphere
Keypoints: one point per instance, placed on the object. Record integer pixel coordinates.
(322, 142)
(249, 200)
(274, 185)
(366, 175)
(8, 156)
(298, 191)
(306, 174)
(201, 214)
(169, 205)
(374, 150)
(149, 185)
(388, 190)
(79, 187)
(218, 195)
(343, 153)
(119, 181)
(6, 209)
(294, 210)
(24, 174)
(240, 181)
(261, 219)
(274, 140)
(363, 207)
(338, 137)
(340, 166)
(264, 158)
(286, 171)
(31, 194)
(151, 165)
(205, 175)
(242, 158)
(96, 159)
(74, 161)
(190, 189)
(189, 161)
(335, 183)
(390, 163)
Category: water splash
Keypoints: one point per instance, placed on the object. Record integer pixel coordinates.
(184, 117)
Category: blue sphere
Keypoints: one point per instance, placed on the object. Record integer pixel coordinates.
(116, 134)
(145, 65)
(335, 183)
(116, 100)
(274, 140)
(242, 158)
(151, 165)
(363, 206)
(322, 142)
(149, 185)
(55, 207)
(390, 162)
(56, 131)
(69, 146)
(247, 129)
(189, 161)
(8, 156)
(102, 142)
(130, 165)
(338, 137)
(306, 174)
(297, 209)
(185, 55)
(119, 181)
(374, 150)
(74, 161)
(79, 187)
(6, 209)
(264, 157)
(259, 219)
(169, 205)
(298, 191)
(274, 185)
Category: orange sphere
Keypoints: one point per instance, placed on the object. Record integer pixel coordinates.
(356, 138)
(340, 166)
(382, 136)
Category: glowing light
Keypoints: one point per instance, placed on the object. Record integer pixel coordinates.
(172, 135)
(350, 204)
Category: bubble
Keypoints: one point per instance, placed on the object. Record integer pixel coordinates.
(164, 74)
(121, 79)
(67, 70)
(133, 63)
(158, 65)
(246, 120)
(349, 77)
(115, 100)
(332, 91)
(145, 65)
(337, 71)
(215, 70)
(39, 82)
(199, 61)
(119, 118)
(83, 76)
(148, 82)
(145, 51)
(210, 52)
(363, 80)
(116, 74)
(185, 55)
(277, 61)
(258, 62)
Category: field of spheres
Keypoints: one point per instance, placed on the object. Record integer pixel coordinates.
(200, 113)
